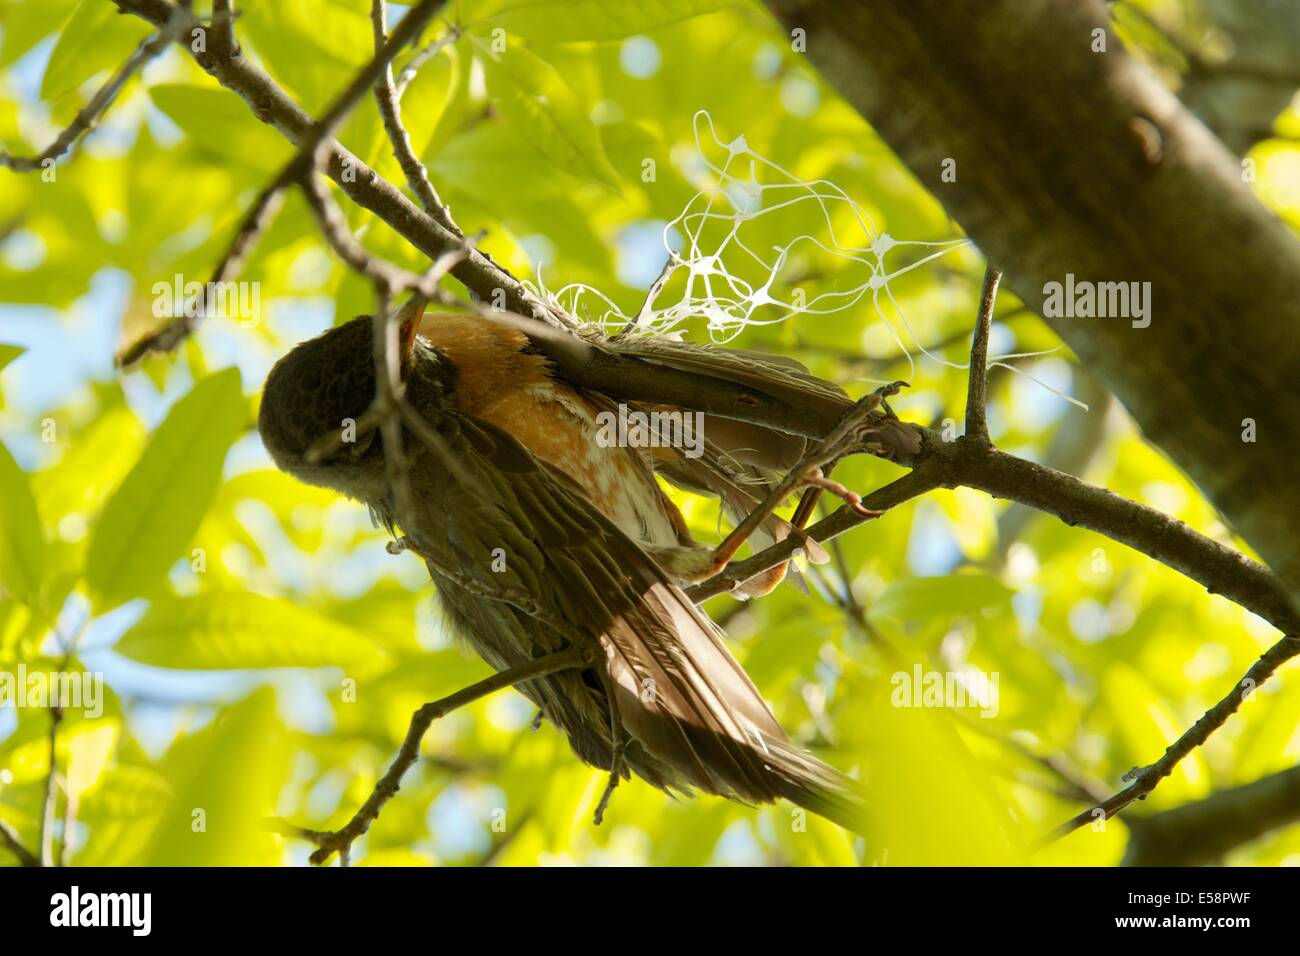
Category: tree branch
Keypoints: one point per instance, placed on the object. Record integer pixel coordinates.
(169, 29)
(392, 277)
(50, 792)
(420, 58)
(1218, 568)
(1129, 191)
(977, 426)
(969, 461)
(964, 462)
(223, 22)
(313, 145)
(1146, 778)
(330, 842)
(1200, 833)
(9, 837)
(417, 177)
(362, 184)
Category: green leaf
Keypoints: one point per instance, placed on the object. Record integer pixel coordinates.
(226, 779)
(97, 37)
(430, 95)
(223, 631)
(99, 457)
(22, 540)
(535, 101)
(127, 791)
(148, 521)
(489, 164)
(221, 123)
(312, 47)
(932, 800)
(89, 750)
(564, 20)
(945, 596)
(10, 352)
(27, 24)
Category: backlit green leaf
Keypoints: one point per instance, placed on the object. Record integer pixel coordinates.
(226, 779)
(22, 541)
(218, 631)
(596, 19)
(220, 122)
(9, 352)
(150, 519)
(945, 596)
(96, 38)
(538, 104)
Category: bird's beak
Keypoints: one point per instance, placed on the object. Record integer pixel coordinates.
(408, 318)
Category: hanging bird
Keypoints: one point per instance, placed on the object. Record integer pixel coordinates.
(539, 539)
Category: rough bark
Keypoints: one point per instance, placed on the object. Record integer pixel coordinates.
(1075, 162)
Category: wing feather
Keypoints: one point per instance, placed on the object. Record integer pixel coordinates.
(569, 575)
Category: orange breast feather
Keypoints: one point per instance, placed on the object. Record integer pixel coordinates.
(500, 383)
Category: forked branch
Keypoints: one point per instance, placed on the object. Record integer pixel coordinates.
(335, 841)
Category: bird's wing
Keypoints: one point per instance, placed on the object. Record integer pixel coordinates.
(520, 533)
(778, 376)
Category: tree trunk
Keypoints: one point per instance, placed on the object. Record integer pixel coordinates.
(1075, 162)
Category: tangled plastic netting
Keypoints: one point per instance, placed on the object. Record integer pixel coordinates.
(714, 272)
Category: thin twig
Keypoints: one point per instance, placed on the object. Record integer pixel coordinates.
(1203, 831)
(259, 217)
(223, 22)
(385, 96)
(50, 793)
(670, 264)
(9, 837)
(314, 148)
(388, 785)
(977, 425)
(334, 226)
(389, 410)
(271, 104)
(388, 386)
(1145, 779)
(421, 57)
(854, 610)
(407, 29)
(89, 114)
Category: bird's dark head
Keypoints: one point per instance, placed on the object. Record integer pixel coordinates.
(313, 417)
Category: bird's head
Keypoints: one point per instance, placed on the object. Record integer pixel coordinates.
(313, 417)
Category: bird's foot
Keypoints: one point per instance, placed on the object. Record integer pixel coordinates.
(816, 478)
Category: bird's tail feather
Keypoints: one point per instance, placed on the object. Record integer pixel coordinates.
(807, 782)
